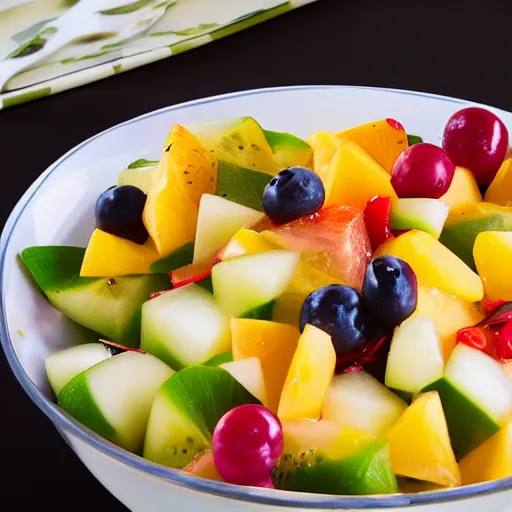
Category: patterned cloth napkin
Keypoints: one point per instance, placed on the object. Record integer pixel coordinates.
(160, 28)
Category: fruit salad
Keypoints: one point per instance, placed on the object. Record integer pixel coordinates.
(330, 315)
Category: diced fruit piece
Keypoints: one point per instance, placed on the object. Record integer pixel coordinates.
(465, 223)
(434, 264)
(119, 212)
(500, 189)
(184, 327)
(377, 218)
(294, 192)
(477, 139)
(225, 357)
(390, 289)
(324, 147)
(354, 177)
(342, 313)
(463, 189)
(419, 213)
(492, 460)
(138, 174)
(244, 241)
(383, 140)
(247, 442)
(185, 411)
(109, 306)
(63, 365)
(473, 337)
(186, 171)
(504, 342)
(423, 170)
(251, 281)
(289, 150)
(177, 259)
(108, 255)
(360, 401)
(493, 253)
(416, 357)
(250, 374)
(113, 397)
(322, 457)
(309, 376)
(334, 240)
(273, 344)
(420, 445)
(218, 220)
(193, 273)
(476, 395)
(203, 466)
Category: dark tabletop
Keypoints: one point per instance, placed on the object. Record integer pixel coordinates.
(451, 47)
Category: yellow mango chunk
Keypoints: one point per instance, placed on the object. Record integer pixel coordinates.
(449, 314)
(110, 255)
(273, 343)
(500, 189)
(186, 171)
(354, 177)
(420, 444)
(382, 140)
(324, 145)
(493, 253)
(463, 189)
(434, 264)
(309, 377)
(492, 460)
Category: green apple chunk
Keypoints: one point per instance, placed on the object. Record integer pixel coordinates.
(289, 150)
(218, 220)
(245, 283)
(184, 327)
(108, 306)
(185, 411)
(427, 215)
(225, 357)
(415, 358)
(63, 365)
(476, 396)
(113, 398)
(360, 401)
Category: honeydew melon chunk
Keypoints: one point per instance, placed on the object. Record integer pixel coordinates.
(425, 214)
(113, 398)
(184, 327)
(63, 365)
(138, 174)
(289, 150)
(185, 411)
(244, 283)
(218, 220)
(415, 357)
(477, 398)
(250, 374)
(360, 401)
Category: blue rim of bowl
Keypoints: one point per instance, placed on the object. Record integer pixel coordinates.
(66, 424)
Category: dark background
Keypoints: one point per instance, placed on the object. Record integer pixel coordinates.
(452, 47)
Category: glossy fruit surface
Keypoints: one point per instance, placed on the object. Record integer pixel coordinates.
(119, 212)
(390, 289)
(377, 218)
(341, 312)
(247, 442)
(422, 170)
(477, 139)
(293, 193)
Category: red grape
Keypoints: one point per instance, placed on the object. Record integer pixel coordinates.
(422, 170)
(247, 442)
(476, 139)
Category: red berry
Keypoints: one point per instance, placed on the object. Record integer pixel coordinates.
(491, 306)
(377, 219)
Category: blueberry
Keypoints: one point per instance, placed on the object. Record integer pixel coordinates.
(293, 193)
(341, 312)
(390, 289)
(119, 212)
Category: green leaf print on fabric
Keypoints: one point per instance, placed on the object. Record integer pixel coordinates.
(28, 96)
(30, 32)
(125, 9)
(33, 45)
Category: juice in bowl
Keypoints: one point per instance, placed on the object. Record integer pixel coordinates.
(258, 316)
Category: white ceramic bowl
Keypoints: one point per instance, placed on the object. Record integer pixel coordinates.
(58, 209)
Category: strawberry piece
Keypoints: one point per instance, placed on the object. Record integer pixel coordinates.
(473, 337)
(377, 217)
(504, 342)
